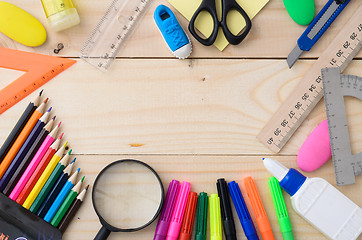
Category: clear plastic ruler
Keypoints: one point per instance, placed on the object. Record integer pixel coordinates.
(309, 91)
(112, 31)
(336, 86)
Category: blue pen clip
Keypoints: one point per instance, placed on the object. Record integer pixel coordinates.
(242, 211)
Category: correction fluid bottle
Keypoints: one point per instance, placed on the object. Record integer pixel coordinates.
(61, 14)
(318, 202)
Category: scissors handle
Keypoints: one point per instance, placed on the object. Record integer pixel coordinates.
(210, 7)
(229, 5)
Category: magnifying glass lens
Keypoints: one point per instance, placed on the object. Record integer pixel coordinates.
(127, 195)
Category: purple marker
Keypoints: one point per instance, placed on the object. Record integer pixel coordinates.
(167, 210)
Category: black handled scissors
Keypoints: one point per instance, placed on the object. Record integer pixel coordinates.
(210, 7)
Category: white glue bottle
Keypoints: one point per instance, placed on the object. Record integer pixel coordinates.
(318, 202)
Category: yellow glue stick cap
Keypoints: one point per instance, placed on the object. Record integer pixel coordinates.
(20, 26)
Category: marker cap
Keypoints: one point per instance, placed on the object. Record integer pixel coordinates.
(201, 217)
(189, 216)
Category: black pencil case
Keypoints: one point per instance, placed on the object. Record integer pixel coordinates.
(18, 223)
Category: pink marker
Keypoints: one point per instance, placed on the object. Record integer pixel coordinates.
(178, 212)
(34, 163)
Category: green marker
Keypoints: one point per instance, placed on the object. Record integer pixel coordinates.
(201, 217)
(281, 209)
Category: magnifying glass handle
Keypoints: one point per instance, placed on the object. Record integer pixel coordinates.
(102, 234)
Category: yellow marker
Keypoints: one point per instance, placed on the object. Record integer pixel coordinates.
(215, 217)
(45, 175)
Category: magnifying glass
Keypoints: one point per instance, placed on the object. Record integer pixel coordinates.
(127, 196)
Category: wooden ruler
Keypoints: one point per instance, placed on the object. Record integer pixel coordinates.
(39, 70)
(309, 91)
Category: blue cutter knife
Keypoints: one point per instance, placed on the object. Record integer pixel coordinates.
(316, 29)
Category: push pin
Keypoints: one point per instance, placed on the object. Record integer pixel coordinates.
(60, 46)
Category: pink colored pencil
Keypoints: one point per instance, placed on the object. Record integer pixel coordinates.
(34, 163)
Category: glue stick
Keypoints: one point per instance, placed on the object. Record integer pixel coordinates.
(61, 14)
(319, 203)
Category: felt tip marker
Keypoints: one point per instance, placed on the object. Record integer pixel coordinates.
(318, 202)
(242, 211)
(215, 218)
(260, 215)
(167, 210)
(178, 212)
(189, 217)
(201, 216)
(226, 213)
(281, 209)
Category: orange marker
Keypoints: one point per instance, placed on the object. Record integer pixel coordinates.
(21, 138)
(258, 209)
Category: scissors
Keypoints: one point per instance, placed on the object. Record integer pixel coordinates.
(210, 7)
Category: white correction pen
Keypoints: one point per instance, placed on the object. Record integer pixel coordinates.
(318, 202)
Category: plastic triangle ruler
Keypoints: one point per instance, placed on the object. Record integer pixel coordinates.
(112, 31)
(309, 91)
(38, 68)
(336, 86)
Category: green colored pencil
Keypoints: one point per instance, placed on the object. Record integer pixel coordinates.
(66, 204)
(50, 183)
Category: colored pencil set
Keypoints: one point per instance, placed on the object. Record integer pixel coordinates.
(35, 170)
(182, 207)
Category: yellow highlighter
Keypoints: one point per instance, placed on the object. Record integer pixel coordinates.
(215, 217)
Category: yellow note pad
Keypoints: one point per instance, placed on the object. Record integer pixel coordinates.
(204, 22)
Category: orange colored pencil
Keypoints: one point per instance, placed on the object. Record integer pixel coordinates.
(21, 138)
(51, 152)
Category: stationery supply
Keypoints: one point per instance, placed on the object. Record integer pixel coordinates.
(226, 212)
(19, 126)
(167, 209)
(20, 26)
(39, 70)
(319, 203)
(316, 29)
(61, 14)
(131, 206)
(308, 92)
(302, 12)
(281, 209)
(189, 217)
(172, 33)
(215, 218)
(188, 7)
(209, 6)
(201, 216)
(178, 212)
(242, 211)
(112, 31)
(260, 215)
(336, 87)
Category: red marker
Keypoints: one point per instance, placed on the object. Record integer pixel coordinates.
(189, 217)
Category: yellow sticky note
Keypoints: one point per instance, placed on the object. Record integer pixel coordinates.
(205, 24)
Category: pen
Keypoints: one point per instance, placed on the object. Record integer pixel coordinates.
(226, 213)
(258, 209)
(281, 209)
(189, 217)
(178, 212)
(215, 218)
(242, 211)
(201, 216)
(167, 209)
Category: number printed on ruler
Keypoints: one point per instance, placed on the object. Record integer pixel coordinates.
(309, 91)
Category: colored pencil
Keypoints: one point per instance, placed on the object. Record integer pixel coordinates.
(66, 204)
(19, 126)
(13, 174)
(52, 153)
(24, 149)
(58, 171)
(21, 138)
(60, 198)
(72, 211)
(59, 185)
(44, 177)
(33, 164)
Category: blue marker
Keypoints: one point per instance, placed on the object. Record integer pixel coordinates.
(61, 197)
(242, 211)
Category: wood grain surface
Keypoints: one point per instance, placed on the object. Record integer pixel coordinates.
(193, 120)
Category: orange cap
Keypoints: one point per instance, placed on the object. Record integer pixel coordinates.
(258, 209)
(189, 217)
